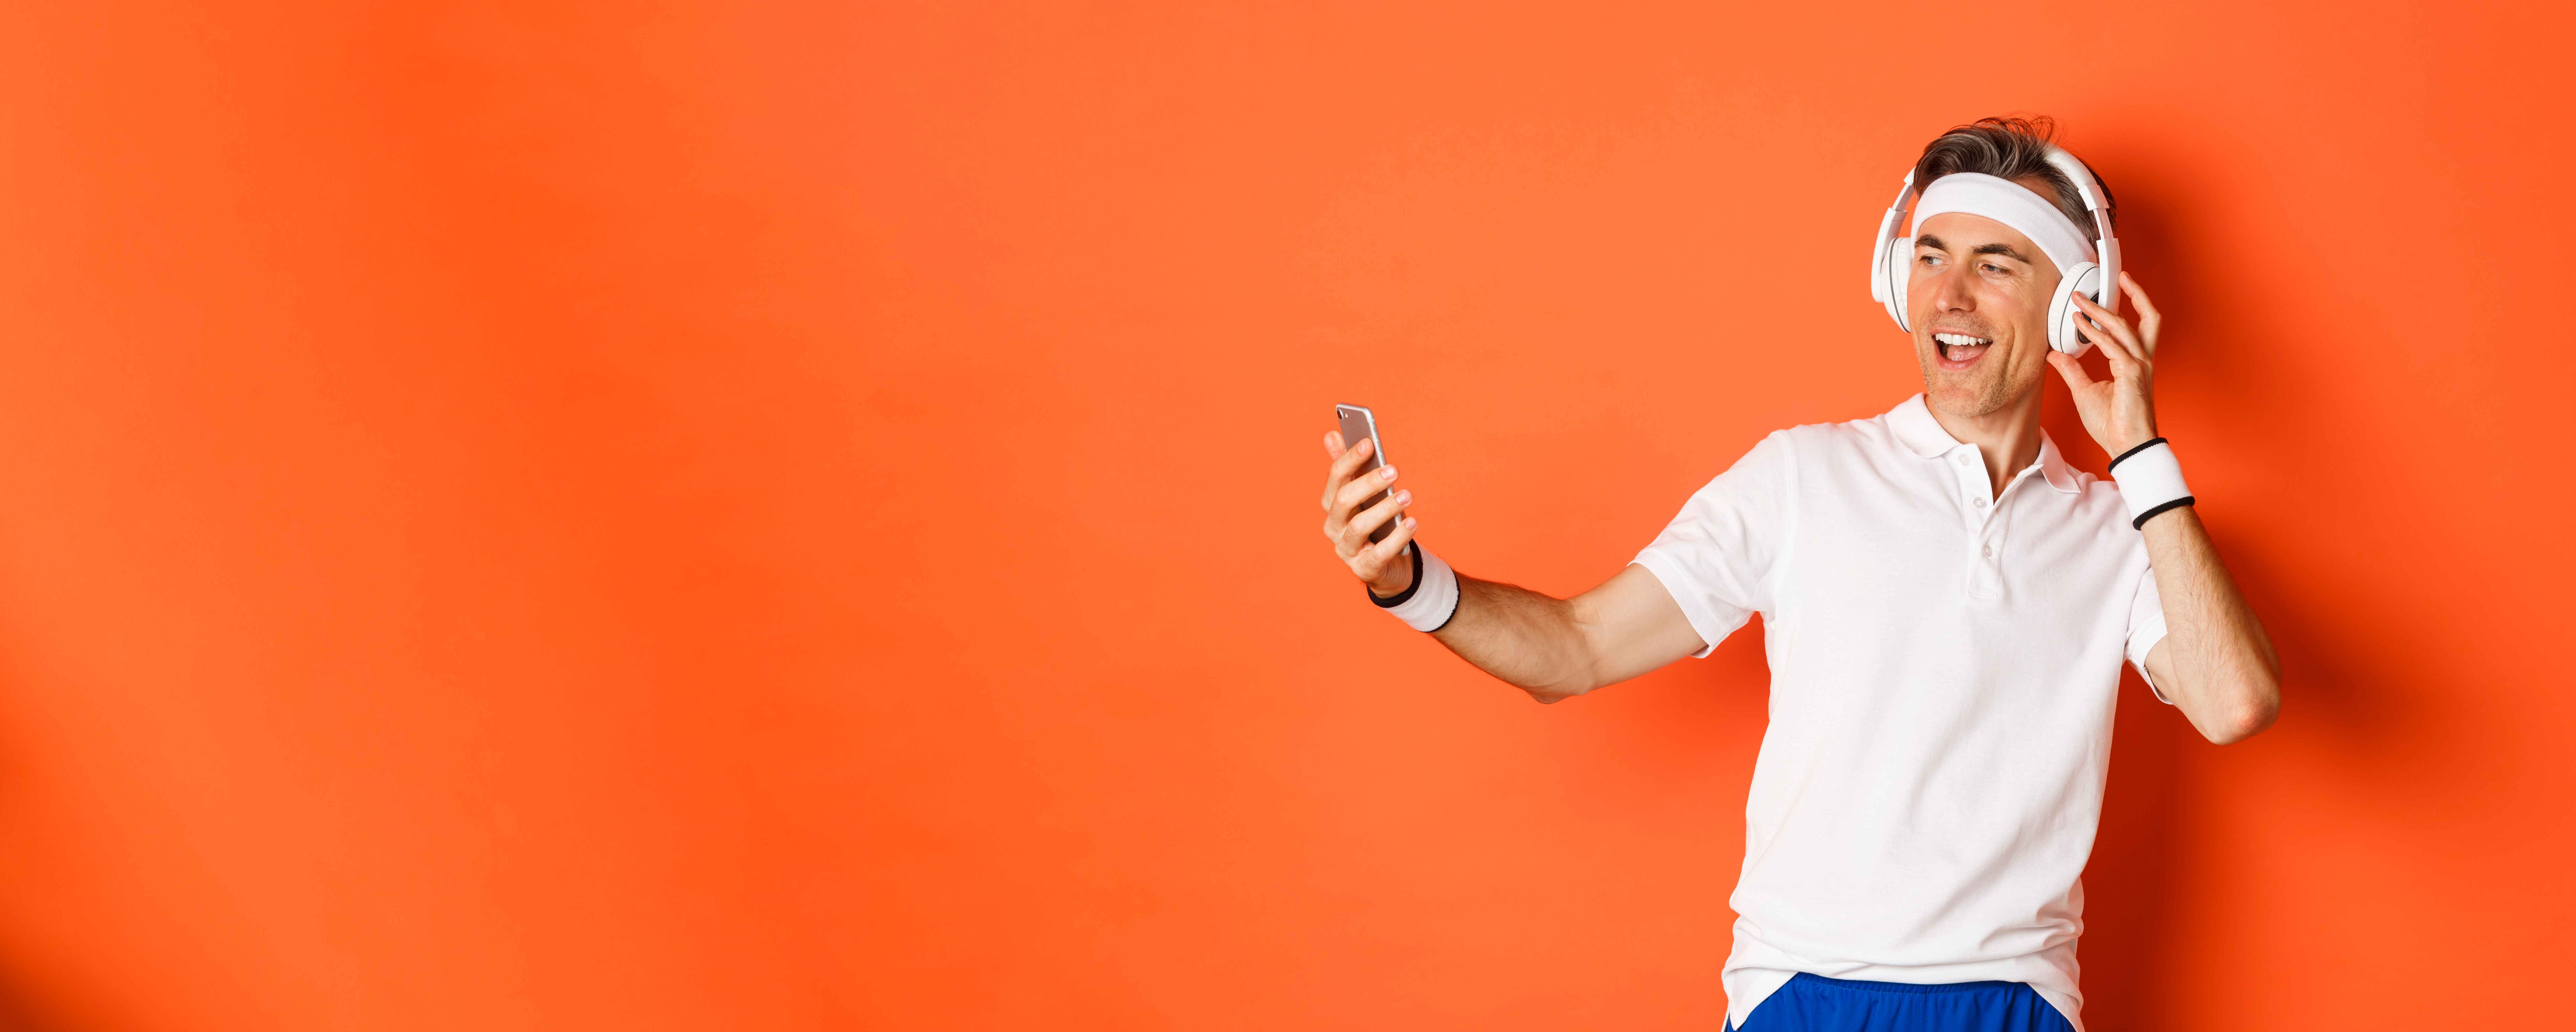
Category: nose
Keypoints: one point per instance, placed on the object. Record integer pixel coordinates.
(1949, 290)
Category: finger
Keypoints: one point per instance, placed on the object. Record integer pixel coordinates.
(1392, 549)
(2103, 328)
(2100, 316)
(2103, 336)
(2077, 381)
(1356, 492)
(1355, 534)
(1340, 471)
(2150, 321)
(2123, 362)
(2067, 366)
(1332, 450)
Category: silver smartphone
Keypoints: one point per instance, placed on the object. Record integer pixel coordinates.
(1359, 424)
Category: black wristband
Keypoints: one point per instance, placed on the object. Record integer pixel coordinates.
(1414, 549)
(2141, 522)
(2114, 468)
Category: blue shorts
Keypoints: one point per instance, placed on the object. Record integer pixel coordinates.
(1812, 1003)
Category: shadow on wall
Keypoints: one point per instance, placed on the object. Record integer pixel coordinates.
(18, 1011)
(23, 1006)
(34, 995)
(2129, 885)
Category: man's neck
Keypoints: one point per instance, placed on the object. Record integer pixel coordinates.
(2007, 438)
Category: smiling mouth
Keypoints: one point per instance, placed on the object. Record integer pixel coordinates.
(1960, 348)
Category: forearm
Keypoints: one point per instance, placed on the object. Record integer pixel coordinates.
(2216, 662)
(1550, 648)
(1526, 639)
(1559, 648)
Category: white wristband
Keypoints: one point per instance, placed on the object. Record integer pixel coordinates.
(2150, 480)
(1433, 598)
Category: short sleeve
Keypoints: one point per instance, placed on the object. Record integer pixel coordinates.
(1716, 557)
(2146, 628)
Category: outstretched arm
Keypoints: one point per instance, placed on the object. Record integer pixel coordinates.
(2215, 662)
(1559, 648)
(1551, 648)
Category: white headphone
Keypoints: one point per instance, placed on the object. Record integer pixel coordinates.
(1893, 262)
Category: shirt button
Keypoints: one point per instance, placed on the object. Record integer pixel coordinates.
(1963, 458)
(1979, 501)
(1989, 551)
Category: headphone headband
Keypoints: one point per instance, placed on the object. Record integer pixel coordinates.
(2107, 244)
(2085, 188)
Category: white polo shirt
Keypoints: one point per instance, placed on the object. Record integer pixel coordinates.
(1943, 666)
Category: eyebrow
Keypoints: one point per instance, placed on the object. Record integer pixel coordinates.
(2006, 250)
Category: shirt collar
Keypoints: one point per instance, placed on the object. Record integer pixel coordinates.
(2053, 466)
(1921, 434)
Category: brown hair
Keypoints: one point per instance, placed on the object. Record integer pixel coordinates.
(2010, 148)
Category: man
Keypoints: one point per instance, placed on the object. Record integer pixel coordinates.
(1947, 604)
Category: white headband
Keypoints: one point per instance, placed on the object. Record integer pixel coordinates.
(2010, 203)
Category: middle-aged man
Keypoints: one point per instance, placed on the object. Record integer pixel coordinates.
(1946, 606)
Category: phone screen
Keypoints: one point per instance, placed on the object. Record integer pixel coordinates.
(1359, 424)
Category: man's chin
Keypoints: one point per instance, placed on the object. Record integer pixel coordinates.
(1961, 396)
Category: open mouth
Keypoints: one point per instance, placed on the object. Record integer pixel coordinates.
(1959, 349)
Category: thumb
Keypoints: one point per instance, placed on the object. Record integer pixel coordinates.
(2071, 369)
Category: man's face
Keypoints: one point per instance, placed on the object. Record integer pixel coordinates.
(1978, 301)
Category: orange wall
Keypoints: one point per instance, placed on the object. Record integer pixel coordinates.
(683, 516)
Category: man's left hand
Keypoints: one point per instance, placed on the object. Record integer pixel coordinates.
(2119, 412)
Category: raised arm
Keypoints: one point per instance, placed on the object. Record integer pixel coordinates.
(1551, 648)
(2215, 662)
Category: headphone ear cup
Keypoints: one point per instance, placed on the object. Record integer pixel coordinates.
(1895, 265)
(2062, 335)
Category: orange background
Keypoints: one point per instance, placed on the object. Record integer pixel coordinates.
(699, 515)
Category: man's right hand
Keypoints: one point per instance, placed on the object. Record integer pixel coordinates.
(1383, 566)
